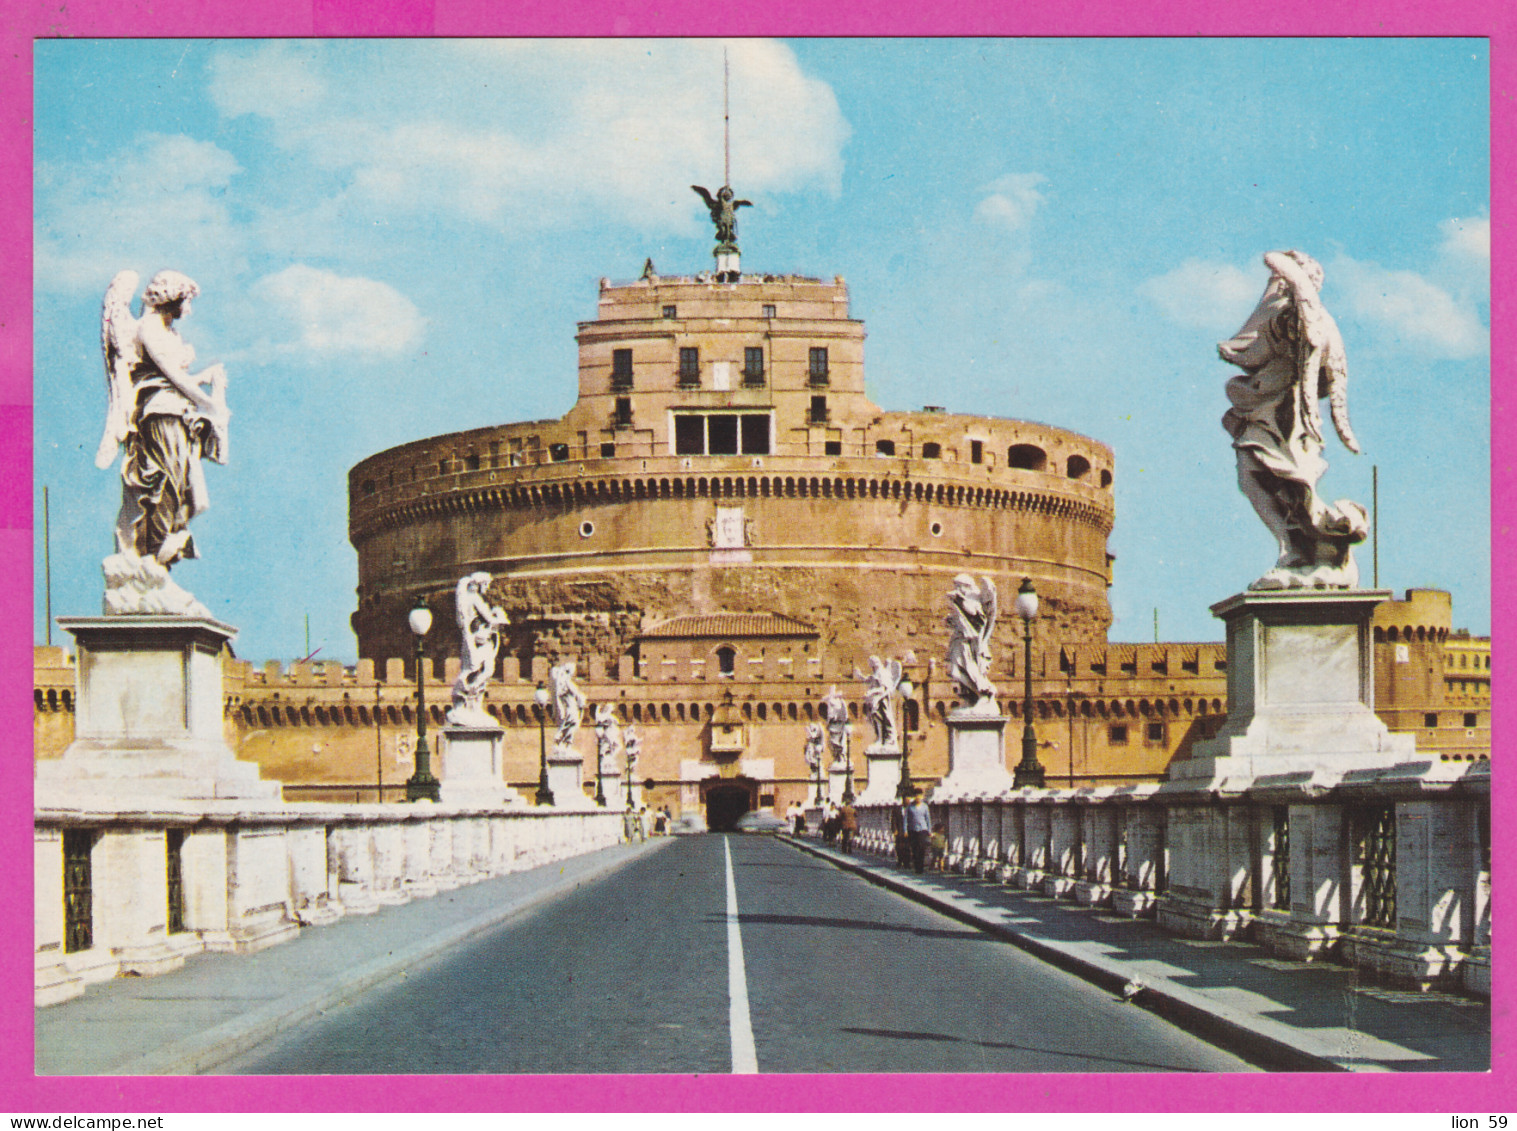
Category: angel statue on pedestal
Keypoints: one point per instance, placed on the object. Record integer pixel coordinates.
(569, 704)
(166, 420)
(971, 620)
(479, 625)
(880, 687)
(1292, 356)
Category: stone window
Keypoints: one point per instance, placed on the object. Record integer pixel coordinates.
(721, 433)
(832, 447)
(558, 453)
(726, 661)
(689, 366)
(670, 312)
(884, 447)
(368, 486)
(442, 467)
(818, 371)
(768, 310)
(1028, 457)
(1430, 720)
(608, 450)
(753, 365)
(621, 369)
(471, 461)
(818, 411)
(1471, 720)
(1078, 467)
(623, 416)
(931, 450)
(1116, 734)
(976, 451)
(1154, 733)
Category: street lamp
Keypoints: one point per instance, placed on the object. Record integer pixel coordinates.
(848, 761)
(905, 787)
(600, 782)
(421, 785)
(544, 794)
(1028, 771)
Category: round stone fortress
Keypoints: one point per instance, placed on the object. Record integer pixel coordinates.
(722, 458)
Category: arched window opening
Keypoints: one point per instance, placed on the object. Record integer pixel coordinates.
(1077, 467)
(726, 660)
(1028, 457)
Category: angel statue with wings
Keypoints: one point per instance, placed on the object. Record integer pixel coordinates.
(608, 738)
(479, 625)
(1292, 356)
(164, 418)
(569, 704)
(971, 620)
(723, 211)
(879, 699)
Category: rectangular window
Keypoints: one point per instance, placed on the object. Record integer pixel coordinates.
(976, 451)
(669, 312)
(721, 435)
(471, 461)
(689, 365)
(608, 450)
(755, 434)
(818, 370)
(832, 448)
(884, 447)
(1430, 720)
(1471, 720)
(768, 310)
(621, 369)
(753, 365)
(818, 410)
(1154, 733)
(558, 453)
(623, 417)
(1116, 734)
(690, 435)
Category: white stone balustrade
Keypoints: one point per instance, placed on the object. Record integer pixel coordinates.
(252, 875)
(1209, 866)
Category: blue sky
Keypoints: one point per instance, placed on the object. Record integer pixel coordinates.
(396, 238)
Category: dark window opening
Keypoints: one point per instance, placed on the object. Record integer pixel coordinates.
(884, 447)
(368, 486)
(1078, 467)
(442, 467)
(818, 410)
(818, 369)
(621, 369)
(832, 447)
(608, 450)
(932, 451)
(1117, 735)
(1430, 720)
(721, 435)
(753, 365)
(976, 451)
(1471, 719)
(726, 660)
(689, 435)
(558, 452)
(1027, 457)
(689, 365)
(471, 461)
(755, 434)
(1155, 732)
(768, 310)
(669, 312)
(623, 417)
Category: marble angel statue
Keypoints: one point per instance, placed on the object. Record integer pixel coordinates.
(632, 748)
(479, 626)
(879, 699)
(163, 420)
(608, 738)
(835, 712)
(971, 620)
(1292, 356)
(816, 742)
(569, 704)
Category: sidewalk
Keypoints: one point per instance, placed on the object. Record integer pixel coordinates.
(1314, 1017)
(221, 1005)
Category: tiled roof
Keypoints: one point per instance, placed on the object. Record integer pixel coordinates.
(729, 625)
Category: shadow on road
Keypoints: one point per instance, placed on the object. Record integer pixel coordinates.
(743, 918)
(1084, 1055)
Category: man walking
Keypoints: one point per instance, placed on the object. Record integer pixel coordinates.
(918, 820)
(848, 825)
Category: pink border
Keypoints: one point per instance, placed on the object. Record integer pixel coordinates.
(20, 1092)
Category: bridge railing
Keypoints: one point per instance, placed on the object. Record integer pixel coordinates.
(136, 890)
(1386, 869)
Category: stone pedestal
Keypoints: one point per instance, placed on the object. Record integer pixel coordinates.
(614, 787)
(884, 774)
(148, 715)
(837, 783)
(976, 756)
(1300, 689)
(472, 767)
(565, 773)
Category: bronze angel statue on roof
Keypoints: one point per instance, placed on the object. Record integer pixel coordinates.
(165, 419)
(1292, 356)
(723, 211)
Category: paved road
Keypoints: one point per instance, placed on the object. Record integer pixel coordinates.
(639, 973)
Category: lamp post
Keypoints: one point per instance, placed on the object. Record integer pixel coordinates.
(544, 794)
(848, 762)
(421, 785)
(600, 781)
(816, 777)
(905, 788)
(1028, 771)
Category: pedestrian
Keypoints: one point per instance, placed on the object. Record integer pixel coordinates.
(898, 831)
(644, 822)
(848, 825)
(918, 823)
(661, 822)
(797, 818)
(939, 846)
(830, 825)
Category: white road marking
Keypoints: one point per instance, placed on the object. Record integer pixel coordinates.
(739, 1024)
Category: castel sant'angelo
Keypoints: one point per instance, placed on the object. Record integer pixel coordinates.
(722, 529)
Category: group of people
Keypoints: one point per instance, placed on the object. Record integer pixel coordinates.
(840, 824)
(643, 824)
(918, 842)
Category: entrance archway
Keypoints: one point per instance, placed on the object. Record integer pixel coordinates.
(726, 801)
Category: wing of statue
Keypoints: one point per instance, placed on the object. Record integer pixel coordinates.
(736, 204)
(858, 675)
(118, 342)
(988, 603)
(710, 200)
(893, 673)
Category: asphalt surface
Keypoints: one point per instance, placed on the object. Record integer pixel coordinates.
(633, 972)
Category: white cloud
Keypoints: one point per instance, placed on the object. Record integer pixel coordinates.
(1204, 296)
(337, 314)
(1012, 202)
(1467, 241)
(162, 203)
(1418, 312)
(550, 130)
